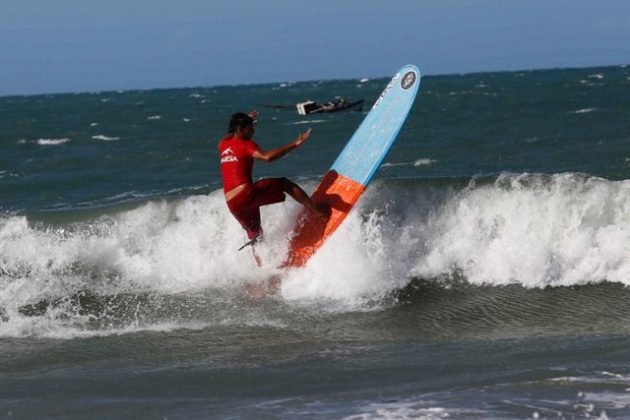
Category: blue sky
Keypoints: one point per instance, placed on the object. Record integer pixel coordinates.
(84, 45)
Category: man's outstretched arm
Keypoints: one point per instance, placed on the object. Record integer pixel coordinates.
(271, 155)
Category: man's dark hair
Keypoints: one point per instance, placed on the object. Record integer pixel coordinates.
(239, 120)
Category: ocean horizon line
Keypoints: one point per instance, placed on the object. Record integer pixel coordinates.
(293, 82)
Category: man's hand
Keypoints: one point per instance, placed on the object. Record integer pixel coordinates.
(302, 137)
(254, 115)
(274, 154)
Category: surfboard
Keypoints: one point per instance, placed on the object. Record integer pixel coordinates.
(355, 166)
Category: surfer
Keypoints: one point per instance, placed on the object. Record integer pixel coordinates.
(244, 197)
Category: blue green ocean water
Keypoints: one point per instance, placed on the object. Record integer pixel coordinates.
(484, 274)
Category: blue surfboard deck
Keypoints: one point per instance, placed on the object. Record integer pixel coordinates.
(355, 167)
(367, 148)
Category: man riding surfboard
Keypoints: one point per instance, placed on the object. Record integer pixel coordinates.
(244, 197)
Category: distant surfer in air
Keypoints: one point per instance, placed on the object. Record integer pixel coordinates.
(244, 197)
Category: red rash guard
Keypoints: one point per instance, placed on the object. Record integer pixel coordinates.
(237, 161)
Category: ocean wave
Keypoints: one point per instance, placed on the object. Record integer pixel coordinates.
(7, 174)
(105, 138)
(533, 230)
(530, 230)
(423, 162)
(52, 142)
(583, 111)
(417, 162)
(590, 395)
(302, 122)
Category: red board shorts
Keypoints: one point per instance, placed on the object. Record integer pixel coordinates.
(246, 205)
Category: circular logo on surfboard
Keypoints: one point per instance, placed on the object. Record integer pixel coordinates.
(408, 80)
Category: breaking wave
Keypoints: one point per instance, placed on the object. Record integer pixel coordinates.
(532, 230)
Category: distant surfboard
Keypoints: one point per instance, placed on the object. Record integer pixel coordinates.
(354, 168)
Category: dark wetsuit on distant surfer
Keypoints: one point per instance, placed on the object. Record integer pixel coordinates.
(244, 197)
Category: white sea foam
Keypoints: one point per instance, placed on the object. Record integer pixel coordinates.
(417, 162)
(349, 270)
(6, 174)
(423, 162)
(52, 142)
(609, 391)
(565, 231)
(159, 247)
(393, 164)
(302, 122)
(105, 138)
(583, 111)
(408, 409)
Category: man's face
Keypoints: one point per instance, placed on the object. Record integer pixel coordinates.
(247, 132)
